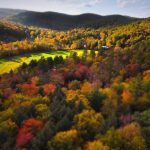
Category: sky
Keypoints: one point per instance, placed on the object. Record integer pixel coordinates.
(134, 8)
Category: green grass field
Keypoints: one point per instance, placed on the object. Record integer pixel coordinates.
(12, 63)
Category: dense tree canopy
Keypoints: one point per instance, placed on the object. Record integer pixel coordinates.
(99, 100)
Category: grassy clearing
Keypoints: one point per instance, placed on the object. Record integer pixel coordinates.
(12, 63)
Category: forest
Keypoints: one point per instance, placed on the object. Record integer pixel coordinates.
(99, 100)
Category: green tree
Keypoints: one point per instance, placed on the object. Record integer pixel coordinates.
(143, 118)
(8, 130)
(96, 99)
(67, 140)
(128, 137)
(60, 119)
(88, 123)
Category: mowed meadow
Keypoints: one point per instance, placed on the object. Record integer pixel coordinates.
(13, 63)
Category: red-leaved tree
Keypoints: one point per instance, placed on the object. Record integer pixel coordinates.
(28, 131)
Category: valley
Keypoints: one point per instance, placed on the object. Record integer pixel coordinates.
(74, 82)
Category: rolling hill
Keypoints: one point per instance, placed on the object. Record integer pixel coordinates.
(58, 21)
(10, 32)
(6, 12)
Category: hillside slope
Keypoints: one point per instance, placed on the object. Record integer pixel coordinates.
(10, 32)
(60, 21)
(6, 12)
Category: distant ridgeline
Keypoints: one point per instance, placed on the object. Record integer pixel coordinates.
(59, 21)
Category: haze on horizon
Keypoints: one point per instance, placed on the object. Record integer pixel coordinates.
(135, 8)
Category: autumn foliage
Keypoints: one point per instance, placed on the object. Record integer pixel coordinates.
(49, 88)
(96, 99)
(27, 132)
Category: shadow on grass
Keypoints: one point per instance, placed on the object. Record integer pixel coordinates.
(17, 59)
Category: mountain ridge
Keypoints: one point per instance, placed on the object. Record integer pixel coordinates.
(7, 12)
(62, 21)
(59, 21)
